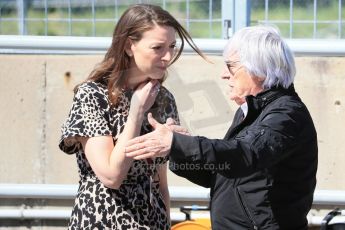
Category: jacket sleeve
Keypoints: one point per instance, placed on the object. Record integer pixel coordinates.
(184, 163)
(275, 137)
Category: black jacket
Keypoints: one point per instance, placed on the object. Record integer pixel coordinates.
(262, 175)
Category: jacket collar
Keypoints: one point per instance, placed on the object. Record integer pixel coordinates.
(255, 105)
(262, 99)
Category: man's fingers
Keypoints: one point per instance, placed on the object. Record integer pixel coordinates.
(133, 141)
(137, 147)
(144, 156)
(154, 144)
(139, 139)
(153, 121)
(170, 121)
(141, 153)
(134, 152)
(186, 133)
(178, 129)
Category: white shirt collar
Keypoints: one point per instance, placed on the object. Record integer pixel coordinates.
(244, 108)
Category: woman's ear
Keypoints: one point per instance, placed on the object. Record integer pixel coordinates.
(128, 47)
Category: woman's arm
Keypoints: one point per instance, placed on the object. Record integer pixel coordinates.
(163, 186)
(108, 161)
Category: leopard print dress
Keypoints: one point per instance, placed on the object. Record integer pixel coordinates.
(137, 204)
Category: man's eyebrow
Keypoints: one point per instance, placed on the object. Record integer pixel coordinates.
(231, 62)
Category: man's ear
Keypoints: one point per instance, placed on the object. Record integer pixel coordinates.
(260, 79)
(257, 79)
(128, 47)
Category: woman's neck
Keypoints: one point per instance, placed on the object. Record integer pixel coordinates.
(134, 78)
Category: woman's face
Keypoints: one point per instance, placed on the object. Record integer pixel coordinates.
(240, 82)
(151, 55)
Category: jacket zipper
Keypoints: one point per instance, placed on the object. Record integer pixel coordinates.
(246, 210)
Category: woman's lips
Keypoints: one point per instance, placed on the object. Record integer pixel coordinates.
(162, 68)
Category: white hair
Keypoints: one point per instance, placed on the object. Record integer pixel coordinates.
(264, 54)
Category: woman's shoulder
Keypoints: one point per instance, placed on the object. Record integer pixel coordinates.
(91, 87)
(165, 93)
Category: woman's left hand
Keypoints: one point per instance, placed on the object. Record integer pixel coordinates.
(143, 97)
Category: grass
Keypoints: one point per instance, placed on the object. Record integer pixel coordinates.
(304, 30)
(82, 20)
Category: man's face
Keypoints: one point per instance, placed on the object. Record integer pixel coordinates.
(240, 82)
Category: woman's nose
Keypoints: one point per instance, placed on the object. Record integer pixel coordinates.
(167, 55)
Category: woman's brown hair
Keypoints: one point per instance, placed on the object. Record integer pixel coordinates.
(132, 24)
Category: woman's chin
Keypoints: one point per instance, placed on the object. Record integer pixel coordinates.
(156, 77)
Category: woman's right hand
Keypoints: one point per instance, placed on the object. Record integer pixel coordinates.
(143, 97)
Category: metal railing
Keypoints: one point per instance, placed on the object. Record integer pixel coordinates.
(219, 18)
(96, 13)
(55, 191)
(68, 192)
(90, 45)
(63, 191)
(291, 21)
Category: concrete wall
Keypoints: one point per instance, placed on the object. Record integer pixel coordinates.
(36, 95)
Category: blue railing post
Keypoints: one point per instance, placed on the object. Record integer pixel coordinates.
(22, 11)
(235, 15)
(227, 18)
(242, 9)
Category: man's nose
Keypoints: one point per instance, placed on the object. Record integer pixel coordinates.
(225, 74)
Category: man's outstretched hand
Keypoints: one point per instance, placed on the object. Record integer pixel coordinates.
(154, 144)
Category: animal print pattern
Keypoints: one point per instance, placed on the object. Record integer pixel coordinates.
(137, 204)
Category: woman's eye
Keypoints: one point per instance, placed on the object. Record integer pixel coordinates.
(156, 47)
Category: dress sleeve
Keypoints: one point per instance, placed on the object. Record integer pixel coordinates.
(88, 117)
(174, 113)
(164, 107)
(167, 106)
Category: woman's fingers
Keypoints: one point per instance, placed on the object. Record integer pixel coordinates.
(152, 87)
(155, 87)
(144, 96)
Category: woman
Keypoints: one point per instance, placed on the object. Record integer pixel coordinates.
(110, 108)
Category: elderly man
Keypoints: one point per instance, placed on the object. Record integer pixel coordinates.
(262, 175)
